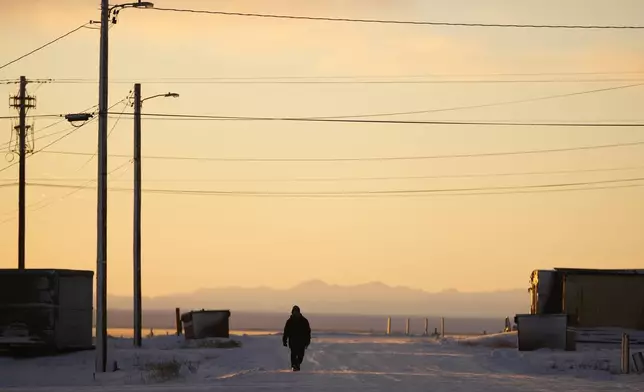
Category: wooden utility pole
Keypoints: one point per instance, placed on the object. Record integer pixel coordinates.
(177, 316)
(138, 325)
(442, 327)
(138, 310)
(101, 202)
(626, 354)
(22, 102)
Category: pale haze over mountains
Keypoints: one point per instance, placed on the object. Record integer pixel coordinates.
(366, 299)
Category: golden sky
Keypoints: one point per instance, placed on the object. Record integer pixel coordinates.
(471, 243)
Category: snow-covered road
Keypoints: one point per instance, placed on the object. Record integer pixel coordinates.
(332, 363)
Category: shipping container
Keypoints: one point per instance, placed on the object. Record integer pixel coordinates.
(590, 298)
(46, 308)
(201, 324)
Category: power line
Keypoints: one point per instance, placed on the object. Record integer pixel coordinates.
(487, 105)
(358, 159)
(374, 178)
(344, 82)
(43, 46)
(595, 188)
(425, 111)
(125, 103)
(8, 144)
(479, 106)
(63, 130)
(399, 22)
(85, 186)
(326, 77)
(40, 205)
(32, 116)
(455, 194)
(51, 126)
(447, 191)
(75, 128)
(42, 149)
(350, 119)
(67, 132)
(8, 167)
(397, 122)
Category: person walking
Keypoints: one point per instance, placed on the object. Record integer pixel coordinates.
(297, 336)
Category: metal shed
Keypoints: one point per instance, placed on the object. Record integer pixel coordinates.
(590, 298)
(201, 324)
(46, 308)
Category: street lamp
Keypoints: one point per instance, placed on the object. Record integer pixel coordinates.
(138, 325)
(101, 232)
(166, 95)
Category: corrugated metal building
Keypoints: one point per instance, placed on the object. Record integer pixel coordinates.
(46, 308)
(590, 298)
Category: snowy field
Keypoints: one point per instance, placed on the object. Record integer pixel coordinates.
(333, 362)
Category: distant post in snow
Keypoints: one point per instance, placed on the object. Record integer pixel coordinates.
(626, 348)
(388, 325)
(178, 321)
(442, 327)
(407, 328)
(426, 333)
(638, 362)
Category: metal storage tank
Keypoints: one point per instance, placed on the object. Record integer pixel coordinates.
(202, 324)
(46, 308)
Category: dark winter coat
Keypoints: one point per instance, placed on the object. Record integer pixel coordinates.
(297, 332)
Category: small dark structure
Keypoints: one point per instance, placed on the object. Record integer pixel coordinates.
(590, 298)
(201, 324)
(536, 331)
(46, 308)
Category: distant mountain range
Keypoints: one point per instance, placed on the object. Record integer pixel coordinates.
(322, 298)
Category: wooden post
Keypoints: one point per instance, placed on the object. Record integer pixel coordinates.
(442, 327)
(407, 328)
(626, 357)
(638, 361)
(178, 321)
(426, 327)
(388, 325)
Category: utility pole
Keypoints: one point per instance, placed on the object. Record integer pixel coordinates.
(101, 232)
(22, 103)
(138, 308)
(137, 216)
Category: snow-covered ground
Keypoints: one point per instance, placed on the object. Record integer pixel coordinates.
(333, 362)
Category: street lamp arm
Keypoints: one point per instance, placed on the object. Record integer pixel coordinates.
(139, 4)
(167, 95)
(114, 10)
